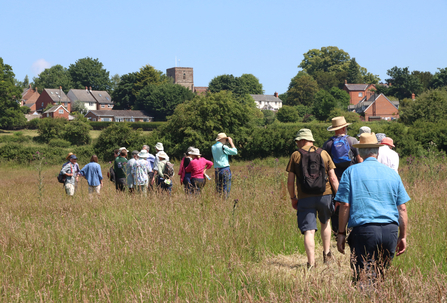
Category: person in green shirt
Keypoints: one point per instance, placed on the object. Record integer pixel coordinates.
(220, 153)
(119, 167)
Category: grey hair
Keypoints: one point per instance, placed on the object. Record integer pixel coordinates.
(368, 152)
(146, 147)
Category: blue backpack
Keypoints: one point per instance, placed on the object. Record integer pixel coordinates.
(341, 152)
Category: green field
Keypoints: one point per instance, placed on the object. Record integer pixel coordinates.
(130, 248)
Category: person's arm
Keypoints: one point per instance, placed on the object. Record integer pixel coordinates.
(403, 222)
(291, 189)
(333, 180)
(189, 168)
(208, 164)
(230, 150)
(66, 171)
(343, 217)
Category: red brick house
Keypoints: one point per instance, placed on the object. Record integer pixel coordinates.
(52, 96)
(118, 116)
(57, 111)
(377, 107)
(358, 91)
(29, 96)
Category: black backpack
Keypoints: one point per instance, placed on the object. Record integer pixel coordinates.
(314, 178)
(61, 178)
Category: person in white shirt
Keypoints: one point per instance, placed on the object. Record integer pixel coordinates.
(388, 156)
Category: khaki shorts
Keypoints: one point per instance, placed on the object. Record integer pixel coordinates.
(69, 189)
(94, 189)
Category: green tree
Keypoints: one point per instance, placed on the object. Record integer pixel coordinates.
(222, 82)
(354, 75)
(115, 80)
(430, 106)
(439, 78)
(50, 128)
(368, 77)
(302, 89)
(198, 121)
(91, 73)
(79, 107)
(287, 114)
(326, 59)
(245, 84)
(326, 80)
(123, 95)
(54, 77)
(326, 101)
(11, 116)
(424, 77)
(269, 116)
(403, 84)
(26, 81)
(146, 76)
(77, 133)
(161, 100)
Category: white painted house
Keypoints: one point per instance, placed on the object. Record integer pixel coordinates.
(270, 102)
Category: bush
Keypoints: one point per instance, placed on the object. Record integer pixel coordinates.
(59, 143)
(83, 153)
(77, 133)
(351, 117)
(16, 138)
(147, 126)
(33, 124)
(50, 128)
(287, 114)
(27, 154)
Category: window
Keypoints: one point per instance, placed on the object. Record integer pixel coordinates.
(360, 94)
(106, 119)
(61, 111)
(90, 104)
(110, 105)
(42, 103)
(102, 106)
(184, 76)
(66, 103)
(93, 119)
(89, 118)
(107, 98)
(100, 95)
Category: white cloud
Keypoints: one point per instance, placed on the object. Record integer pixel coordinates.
(39, 66)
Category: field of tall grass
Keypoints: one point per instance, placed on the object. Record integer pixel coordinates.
(130, 248)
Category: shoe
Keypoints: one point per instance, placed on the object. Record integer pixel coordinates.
(309, 267)
(328, 258)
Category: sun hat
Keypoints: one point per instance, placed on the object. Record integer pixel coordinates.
(364, 129)
(73, 157)
(337, 123)
(135, 152)
(304, 134)
(123, 148)
(162, 154)
(143, 154)
(367, 141)
(388, 141)
(159, 146)
(380, 137)
(195, 152)
(69, 155)
(221, 136)
(190, 149)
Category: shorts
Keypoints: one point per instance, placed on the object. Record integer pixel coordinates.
(307, 212)
(94, 189)
(69, 189)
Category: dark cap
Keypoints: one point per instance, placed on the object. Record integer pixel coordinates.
(73, 157)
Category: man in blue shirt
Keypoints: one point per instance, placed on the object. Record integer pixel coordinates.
(222, 170)
(372, 199)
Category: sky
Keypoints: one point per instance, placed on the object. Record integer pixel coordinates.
(263, 38)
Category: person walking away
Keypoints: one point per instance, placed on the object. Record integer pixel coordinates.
(120, 170)
(161, 180)
(313, 170)
(343, 154)
(373, 203)
(70, 175)
(185, 177)
(197, 167)
(363, 130)
(388, 156)
(140, 170)
(93, 174)
(222, 170)
(130, 177)
(76, 170)
(150, 159)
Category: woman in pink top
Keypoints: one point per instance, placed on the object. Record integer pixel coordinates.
(197, 168)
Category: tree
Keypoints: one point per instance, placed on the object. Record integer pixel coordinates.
(424, 77)
(79, 106)
(403, 84)
(326, 80)
(245, 84)
(91, 73)
(302, 89)
(430, 106)
(26, 81)
(115, 80)
(146, 76)
(198, 121)
(50, 128)
(287, 114)
(10, 114)
(161, 100)
(439, 78)
(77, 133)
(326, 101)
(326, 59)
(368, 77)
(123, 95)
(54, 77)
(354, 75)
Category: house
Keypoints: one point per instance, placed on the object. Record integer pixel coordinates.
(377, 107)
(182, 75)
(118, 116)
(103, 99)
(29, 96)
(84, 96)
(52, 96)
(57, 111)
(271, 102)
(358, 91)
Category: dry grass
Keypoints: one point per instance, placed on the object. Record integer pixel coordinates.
(120, 248)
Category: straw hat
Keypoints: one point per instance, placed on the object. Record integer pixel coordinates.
(163, 155)
(159, 146)
(143, 154)
(364, 129)
(304, 134)
(221, 136)
(337, 123)
(388, 141)
(195, 152)
(367, 141)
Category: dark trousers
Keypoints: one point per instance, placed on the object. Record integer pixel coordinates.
(162, 185)
(223, 180)
(197, 184)
(372, 247)
(120, 184)
(187, 183)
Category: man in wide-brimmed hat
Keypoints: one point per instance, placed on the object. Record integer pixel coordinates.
(388, 156)
(309, 202)
(340, 148)
(222, 172)
(372, 202)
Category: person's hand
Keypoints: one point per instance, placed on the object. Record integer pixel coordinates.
(294, 202)
(230, 140)
(341, 240)
(77, 179)
(401, 246)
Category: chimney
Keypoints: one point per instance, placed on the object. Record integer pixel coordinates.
(86, 89)
(275, 94)
(90, 88)
(413, 96)
(346, 81)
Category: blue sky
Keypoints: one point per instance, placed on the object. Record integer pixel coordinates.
(264, 38)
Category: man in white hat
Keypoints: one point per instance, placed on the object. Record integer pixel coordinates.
(130, 163)
(222, 172)
(308, 202)
(140, 170)
(372, 202)
(340, 148)
(364, 129)
(158, 148)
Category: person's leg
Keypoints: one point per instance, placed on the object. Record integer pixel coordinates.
(219, 180)
(326, 237)
(363, 241)
(324, 208)
(307, 223)
(309, 245)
